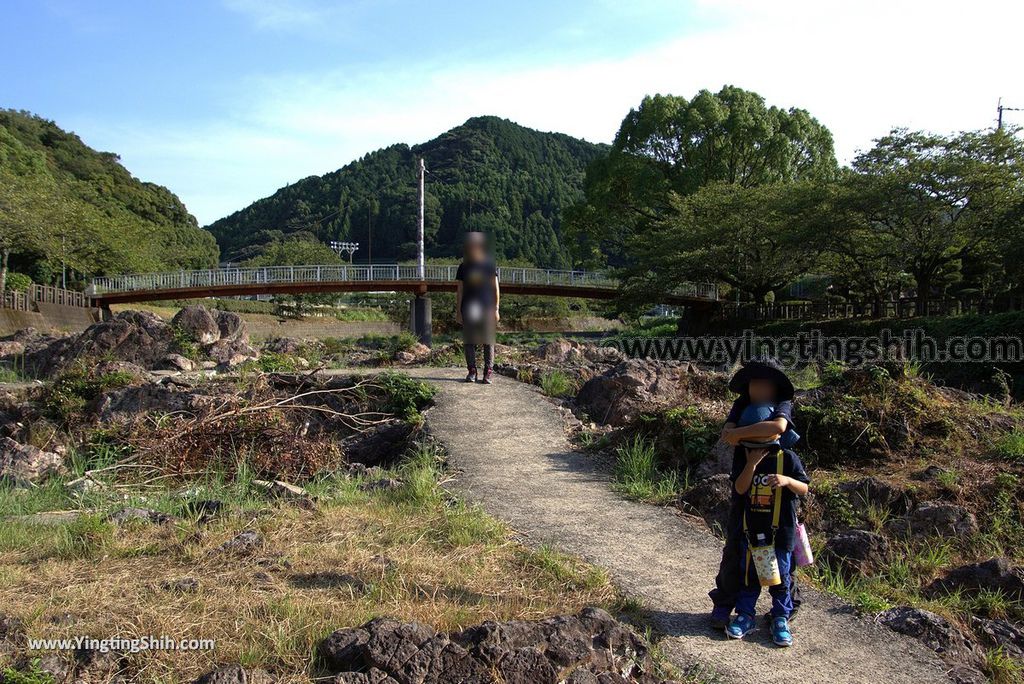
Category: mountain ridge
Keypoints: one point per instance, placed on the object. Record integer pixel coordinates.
(487, 174)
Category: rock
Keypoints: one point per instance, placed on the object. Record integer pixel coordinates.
(11, 348)
(232, 327)
(343, 649)
(177, 362)
(585, 648)
(856, 552)
(386, 484)
(1001, 634)
(419, 350)
(935, 518)
(936, 633)
(128, 403)
(289, 346)
(95, 666)
(184, 585)
(381, 444)
(404, 357)
(719, 461)
(228, 353)
(26, 463)
(198, 323)
(244, 542)
(871, 490)
(128, 515)
(55, 665)
(137, 337)
(996, 574)
(711, 497)
(622, 393)
(560, 351)
(235, 674)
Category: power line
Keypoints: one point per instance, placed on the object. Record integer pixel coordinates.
(999, 113)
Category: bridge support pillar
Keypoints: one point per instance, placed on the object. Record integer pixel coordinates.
(420, 318)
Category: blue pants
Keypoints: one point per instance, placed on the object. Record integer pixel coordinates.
(782, 599)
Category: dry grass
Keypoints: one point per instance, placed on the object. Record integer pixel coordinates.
(415, 555)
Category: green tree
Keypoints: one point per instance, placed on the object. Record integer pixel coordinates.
(927, 202)
(671, 145)
(755, 239)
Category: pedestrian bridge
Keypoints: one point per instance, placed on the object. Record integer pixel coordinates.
(229, 282)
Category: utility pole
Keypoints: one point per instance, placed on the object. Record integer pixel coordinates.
(422, 262)
(999, 113)
(421, 314)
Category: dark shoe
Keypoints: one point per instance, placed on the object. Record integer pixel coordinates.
(471, 377)
(720, 617)
(487, 376)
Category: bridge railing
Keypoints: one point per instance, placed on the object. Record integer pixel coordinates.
(331, 273)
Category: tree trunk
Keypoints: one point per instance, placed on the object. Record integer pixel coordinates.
(879, 304)
(5, 255)
(924, 292)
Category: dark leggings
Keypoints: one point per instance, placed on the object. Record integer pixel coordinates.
(471, 355)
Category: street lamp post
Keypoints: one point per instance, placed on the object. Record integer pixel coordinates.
(349, 248)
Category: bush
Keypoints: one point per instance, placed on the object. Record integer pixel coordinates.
(404, 397)
(18, 282)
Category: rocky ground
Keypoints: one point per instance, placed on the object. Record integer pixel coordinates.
(172, 479)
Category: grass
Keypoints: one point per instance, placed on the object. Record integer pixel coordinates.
(557, 384)
(414, 553)
(1011, 447)
(637, 475)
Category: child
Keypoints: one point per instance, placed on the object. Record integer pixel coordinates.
(769, 483)
(762, 412)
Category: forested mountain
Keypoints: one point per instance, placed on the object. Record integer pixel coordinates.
(60, 200)
(488, 174)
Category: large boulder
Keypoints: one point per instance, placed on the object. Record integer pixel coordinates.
(935, 518)
(231, 353)
(198, 323)
(856, 552)
(588, 647)
(231, 326)
(938, 634)
(711, 497)
(26, 463)
(137, 337)
(560, 351)
(381, 444)
(621, 394)
(995, 574)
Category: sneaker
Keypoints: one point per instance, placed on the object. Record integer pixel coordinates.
(780, 632)
(720, 616)
(487, 376)
(471, 377)
(741, 626)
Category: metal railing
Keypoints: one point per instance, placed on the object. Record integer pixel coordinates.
(42, 294)
(272, 275)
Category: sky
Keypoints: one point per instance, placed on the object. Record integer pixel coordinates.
(225, 101)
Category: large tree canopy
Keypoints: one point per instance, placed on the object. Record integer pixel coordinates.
(928, 202)
(673, 145)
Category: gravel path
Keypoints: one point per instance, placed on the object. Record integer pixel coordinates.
(507, 443)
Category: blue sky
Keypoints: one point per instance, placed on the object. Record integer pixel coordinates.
(224, 101)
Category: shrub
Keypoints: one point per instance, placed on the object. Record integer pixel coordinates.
(1010, 447)
(404, 397)
(18, 282)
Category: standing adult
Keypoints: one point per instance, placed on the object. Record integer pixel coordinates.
(477, 300)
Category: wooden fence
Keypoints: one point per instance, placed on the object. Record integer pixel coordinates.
(43, 294)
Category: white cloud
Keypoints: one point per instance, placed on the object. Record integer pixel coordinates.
(861, 68)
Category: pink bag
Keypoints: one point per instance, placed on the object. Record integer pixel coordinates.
(802, 554)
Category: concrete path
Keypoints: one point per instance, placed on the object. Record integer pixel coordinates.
(507, 442)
